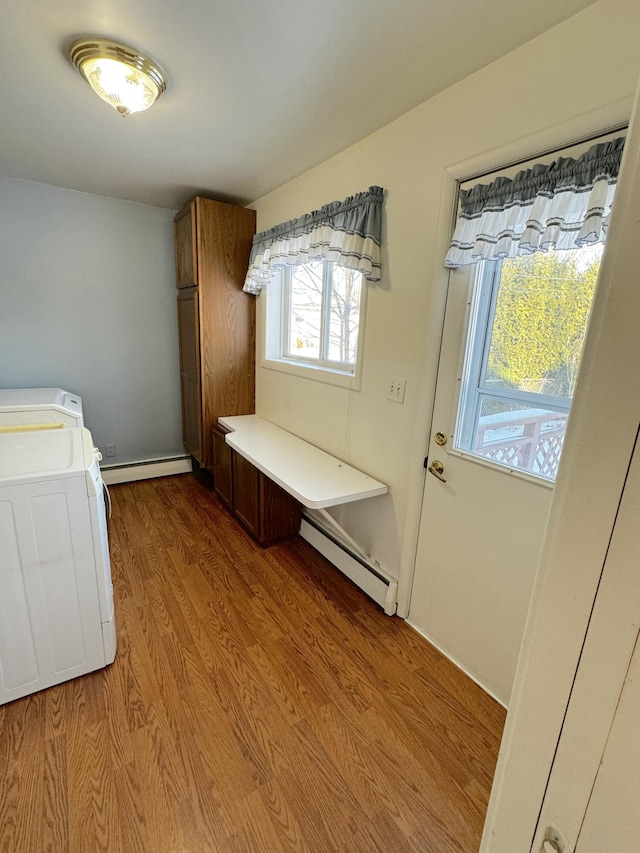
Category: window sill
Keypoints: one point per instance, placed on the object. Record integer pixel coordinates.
(314, 372)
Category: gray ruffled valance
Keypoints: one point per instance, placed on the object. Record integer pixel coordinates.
(344, 232)
(562, 205)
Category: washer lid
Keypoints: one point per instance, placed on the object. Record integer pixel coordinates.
(24, 399)
(45, 454)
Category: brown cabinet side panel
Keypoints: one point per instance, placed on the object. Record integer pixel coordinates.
(222, 473)
(225, 233)
(189, 345)
(184, 226)
(246, 493)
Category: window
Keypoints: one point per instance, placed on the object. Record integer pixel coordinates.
(315, 318)
(528, 324)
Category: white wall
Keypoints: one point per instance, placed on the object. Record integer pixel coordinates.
(577, 79)
(87, 303)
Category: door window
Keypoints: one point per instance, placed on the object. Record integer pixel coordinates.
(529, 318)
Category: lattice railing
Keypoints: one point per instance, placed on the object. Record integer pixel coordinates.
(534, 445)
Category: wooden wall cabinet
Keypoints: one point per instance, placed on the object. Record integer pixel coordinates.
(268, 512)
(216, 320)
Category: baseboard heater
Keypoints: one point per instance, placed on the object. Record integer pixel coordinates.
(132, 471)
(361, 570)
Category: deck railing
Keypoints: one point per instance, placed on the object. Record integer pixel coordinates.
(529, 440)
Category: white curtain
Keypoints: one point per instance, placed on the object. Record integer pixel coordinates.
(344, 232)
(563, 205)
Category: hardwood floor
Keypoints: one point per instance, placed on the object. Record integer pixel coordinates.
(258, 703)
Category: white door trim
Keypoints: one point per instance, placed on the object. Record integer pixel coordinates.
(592, 475)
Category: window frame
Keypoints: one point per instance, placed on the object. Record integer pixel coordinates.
(278, 327)
(485, 285)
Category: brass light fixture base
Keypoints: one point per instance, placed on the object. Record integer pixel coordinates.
(119, 74)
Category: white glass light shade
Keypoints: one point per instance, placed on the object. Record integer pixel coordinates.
(118, 74)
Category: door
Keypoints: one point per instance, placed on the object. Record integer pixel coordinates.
(591, 801)
(511, 348)
(480, 533)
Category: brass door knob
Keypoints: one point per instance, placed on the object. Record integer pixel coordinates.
(437, 469)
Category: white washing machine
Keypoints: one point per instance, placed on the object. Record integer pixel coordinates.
(43, 408)
(50, 406)
(56, 597)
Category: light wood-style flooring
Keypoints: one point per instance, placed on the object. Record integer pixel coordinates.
(258, 703)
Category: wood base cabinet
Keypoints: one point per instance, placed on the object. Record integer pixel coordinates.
(216, 320)
(268, 512)
(222, 467)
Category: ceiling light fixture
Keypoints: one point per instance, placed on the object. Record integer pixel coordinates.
(118, 73)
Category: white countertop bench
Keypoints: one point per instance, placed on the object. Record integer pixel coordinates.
(313, 477)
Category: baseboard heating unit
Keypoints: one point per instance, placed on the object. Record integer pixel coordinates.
(133, 471)
(362, 571)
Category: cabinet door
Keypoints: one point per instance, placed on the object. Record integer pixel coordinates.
(222, 474)
(268, 512)
(185, 246)
(281, 513)
(189, 339)
(227, 314)
(246, 494)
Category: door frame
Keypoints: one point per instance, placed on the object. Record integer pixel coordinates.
(584, 509)
(603, 669)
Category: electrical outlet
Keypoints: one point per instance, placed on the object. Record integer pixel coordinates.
(109, 450)
(396, 389)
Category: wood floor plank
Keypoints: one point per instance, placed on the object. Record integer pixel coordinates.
(22, 780)
(131, 811)
(419, 780)
(283, 817)
(228, 772)
(258, 703)
(93, 812)
(117, 717)
(285, 698)
(257, 830)
(164, 832)
(55, 807)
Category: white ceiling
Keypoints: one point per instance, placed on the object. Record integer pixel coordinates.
(258, 91)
